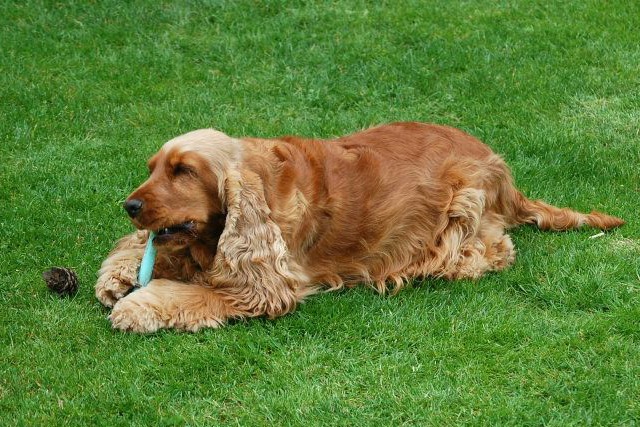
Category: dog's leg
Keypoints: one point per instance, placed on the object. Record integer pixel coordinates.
(119, 271)
(459, 247)
(499, 250)
(473, 242)
(487, 249)
(171, 304)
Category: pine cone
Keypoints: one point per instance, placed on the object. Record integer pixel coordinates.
(63, 281)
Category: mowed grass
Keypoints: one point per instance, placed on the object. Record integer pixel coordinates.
(90, 89)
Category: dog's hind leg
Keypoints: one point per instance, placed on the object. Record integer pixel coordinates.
(490, 250)
(473, 241)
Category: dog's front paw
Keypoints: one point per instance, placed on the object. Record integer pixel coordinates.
(132, 315)
(109, 289)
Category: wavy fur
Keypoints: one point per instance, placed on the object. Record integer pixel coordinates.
(268, 222)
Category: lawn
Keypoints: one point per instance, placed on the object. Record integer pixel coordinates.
(90, 89)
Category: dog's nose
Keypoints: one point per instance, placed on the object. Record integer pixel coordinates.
(133, 207)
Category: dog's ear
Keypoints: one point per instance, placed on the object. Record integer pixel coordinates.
(252, 261)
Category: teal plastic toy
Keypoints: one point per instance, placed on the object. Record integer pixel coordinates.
(148, 260)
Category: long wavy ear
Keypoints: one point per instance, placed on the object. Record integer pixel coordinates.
(252, 262)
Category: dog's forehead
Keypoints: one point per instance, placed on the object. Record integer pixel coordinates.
(218, 148)
(201, 138)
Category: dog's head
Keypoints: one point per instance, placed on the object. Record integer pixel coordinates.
(200, 191)
(184, 197)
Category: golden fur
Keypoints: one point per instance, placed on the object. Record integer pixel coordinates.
(261, 224)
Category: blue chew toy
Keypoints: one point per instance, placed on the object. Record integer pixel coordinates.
(148, 259)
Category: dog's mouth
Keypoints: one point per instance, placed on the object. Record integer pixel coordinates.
(176, 233)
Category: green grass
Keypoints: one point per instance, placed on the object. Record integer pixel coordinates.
(89, 89)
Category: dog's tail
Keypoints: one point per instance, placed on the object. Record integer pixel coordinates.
(548, 217)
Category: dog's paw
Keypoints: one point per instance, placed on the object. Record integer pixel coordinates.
(130, 315)
(110, 289)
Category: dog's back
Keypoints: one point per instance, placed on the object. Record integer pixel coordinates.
(401, 200)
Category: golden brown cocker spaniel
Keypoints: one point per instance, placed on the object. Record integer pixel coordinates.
(249, 227)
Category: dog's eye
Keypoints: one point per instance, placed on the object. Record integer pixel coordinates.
(182, 169)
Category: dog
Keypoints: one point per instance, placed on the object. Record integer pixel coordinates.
(250, 227)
